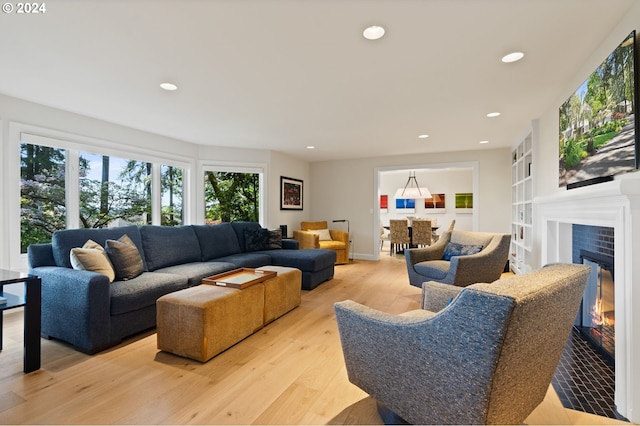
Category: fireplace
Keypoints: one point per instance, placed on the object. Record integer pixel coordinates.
(615, 205)
(596, 318)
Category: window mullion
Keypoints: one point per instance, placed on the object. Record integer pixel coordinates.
(72, 197)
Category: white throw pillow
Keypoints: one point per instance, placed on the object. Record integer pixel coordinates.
(92, 257)
(324, 234)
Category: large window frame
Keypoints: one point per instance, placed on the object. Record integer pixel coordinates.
(232, 167)
(73, 145)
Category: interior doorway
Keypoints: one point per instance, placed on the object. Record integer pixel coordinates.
(445, 181)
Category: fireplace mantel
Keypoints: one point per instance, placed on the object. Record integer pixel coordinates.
(614, 204)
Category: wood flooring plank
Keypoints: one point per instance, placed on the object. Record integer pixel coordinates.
(289, 372)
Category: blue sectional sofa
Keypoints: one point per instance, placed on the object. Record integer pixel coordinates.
(91, 313)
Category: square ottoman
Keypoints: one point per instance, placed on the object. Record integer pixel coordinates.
(202, 321)
(282, 293)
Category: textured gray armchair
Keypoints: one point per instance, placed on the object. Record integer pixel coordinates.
(489, 256)
(482, 354)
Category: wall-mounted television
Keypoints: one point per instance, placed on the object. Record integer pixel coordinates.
(598, 123)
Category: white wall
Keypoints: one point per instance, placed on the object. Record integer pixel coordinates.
(547, 165)
(346, 189)
(546, 152)
(292, 168)
(447, 181)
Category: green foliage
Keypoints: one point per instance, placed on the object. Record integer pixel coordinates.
(43, 194)
(232, 197)
(572, 153)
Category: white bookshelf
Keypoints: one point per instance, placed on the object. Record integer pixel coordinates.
(521, 253)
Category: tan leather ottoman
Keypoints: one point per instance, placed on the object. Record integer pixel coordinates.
(202, 321)
(281, 293)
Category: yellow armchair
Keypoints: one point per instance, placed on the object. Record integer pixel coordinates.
(318, 235)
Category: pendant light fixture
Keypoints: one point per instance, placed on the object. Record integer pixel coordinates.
(411, 191)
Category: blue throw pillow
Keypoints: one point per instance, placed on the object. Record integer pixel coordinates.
(455, 249)
(256, 240)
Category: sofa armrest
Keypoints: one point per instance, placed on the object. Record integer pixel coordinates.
(75, 306)
(290, 244)
(340, 236)
(307, 240)
(485, 266)
(40, 255)
(436, 296)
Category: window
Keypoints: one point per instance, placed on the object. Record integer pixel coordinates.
(64, 188)
(171, 185)
(42, 193)
(114, 191)
(231, 196)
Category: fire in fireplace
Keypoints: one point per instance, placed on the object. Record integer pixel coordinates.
(596, 320)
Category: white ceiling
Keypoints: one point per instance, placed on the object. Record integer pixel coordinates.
(284, 74)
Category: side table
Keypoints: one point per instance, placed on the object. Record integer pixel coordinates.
(31, 302)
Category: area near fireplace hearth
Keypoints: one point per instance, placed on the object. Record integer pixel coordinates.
(614, 205)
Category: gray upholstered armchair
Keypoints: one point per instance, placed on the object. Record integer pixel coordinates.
(459, 258)
(481, 354)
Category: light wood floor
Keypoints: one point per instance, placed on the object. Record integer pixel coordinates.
(290, 372)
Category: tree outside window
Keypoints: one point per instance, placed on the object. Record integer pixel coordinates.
(231, 197)
(42, 193)
(171, 188)
(113, 192)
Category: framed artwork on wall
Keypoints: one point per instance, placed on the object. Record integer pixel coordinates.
(384, 203)
(291, 193)
(435, 204)
(405, 205)
(464, 202)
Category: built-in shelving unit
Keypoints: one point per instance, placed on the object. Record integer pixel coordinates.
(521, 253)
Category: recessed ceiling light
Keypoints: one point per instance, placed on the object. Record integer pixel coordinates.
(423, 136)
(483, 142)
(493, 114)
(311, 147)
(373, 32)
(169, 86)
(513, 57)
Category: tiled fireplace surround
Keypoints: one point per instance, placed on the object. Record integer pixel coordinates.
(614, 204)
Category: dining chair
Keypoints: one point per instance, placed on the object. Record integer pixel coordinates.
(421, 233)
(384, 236)
(398, 234)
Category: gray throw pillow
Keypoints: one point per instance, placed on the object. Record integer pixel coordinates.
(257, 239)
(455, 249)
(125, 258)
(275, 239)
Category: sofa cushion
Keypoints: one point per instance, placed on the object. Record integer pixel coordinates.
(92, 257)
(323, 234)
(196, 271)
(143, 291)
(169, 245)
(455, 249)
(217, 240)
(434, 269)
(239, 228)
(64, 240)
(125, 257)
(256, 239)
(247, 260)
(311, 260)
